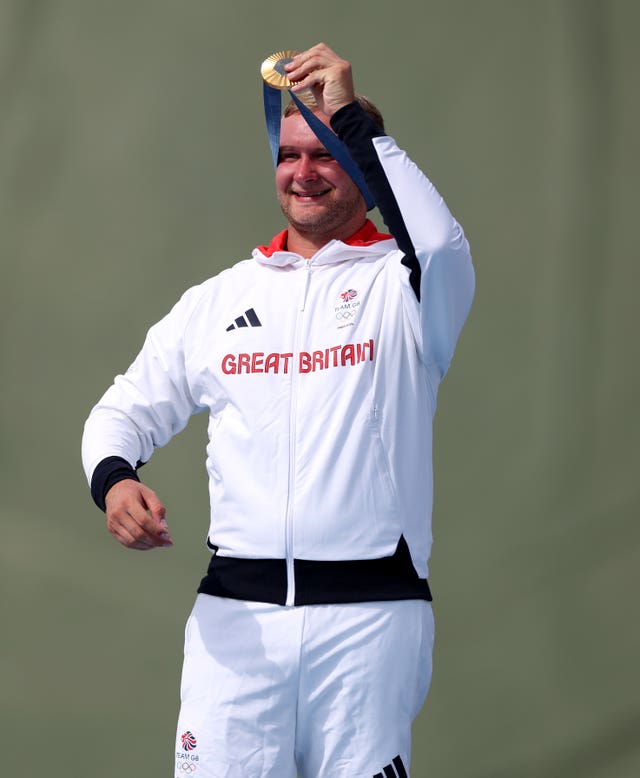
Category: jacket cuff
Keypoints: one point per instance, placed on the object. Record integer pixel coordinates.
(352, 119)
(107, 473)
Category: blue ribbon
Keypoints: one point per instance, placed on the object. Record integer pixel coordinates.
(331, 142)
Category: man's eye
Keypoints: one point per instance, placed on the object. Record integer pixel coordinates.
(287, 156)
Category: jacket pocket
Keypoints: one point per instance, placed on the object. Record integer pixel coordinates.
(383, 470)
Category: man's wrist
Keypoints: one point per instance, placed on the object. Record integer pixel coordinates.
(108, 473)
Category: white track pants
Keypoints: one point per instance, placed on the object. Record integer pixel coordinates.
(321, 691)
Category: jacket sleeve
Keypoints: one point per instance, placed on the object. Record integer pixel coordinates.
(436, 252)
(142, 409)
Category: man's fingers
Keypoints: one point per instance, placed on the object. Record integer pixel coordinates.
(153, 504)
(318, 52)
(154, 520)
(139, 546)
(147, 528)
(132, 537)
(316, 61)
(123, 535)
(132, 534)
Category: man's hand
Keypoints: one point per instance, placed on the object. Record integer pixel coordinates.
(135, 516)
(327, 75)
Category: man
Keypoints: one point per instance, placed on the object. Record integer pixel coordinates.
(318, 360)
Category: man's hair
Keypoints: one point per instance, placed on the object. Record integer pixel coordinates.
(367, 106)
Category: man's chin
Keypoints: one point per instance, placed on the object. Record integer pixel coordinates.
(311, 226)
(317, 219)
(308, 217)
(305, 206)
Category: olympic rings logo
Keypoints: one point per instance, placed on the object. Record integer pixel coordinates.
(187, 768)
(345, 314)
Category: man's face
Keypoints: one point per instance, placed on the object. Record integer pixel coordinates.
(317, 197)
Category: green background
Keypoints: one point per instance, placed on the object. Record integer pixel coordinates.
(134, 163)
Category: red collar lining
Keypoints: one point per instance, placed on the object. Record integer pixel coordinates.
(367, 235)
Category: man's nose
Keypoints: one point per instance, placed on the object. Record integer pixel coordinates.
(306, 169)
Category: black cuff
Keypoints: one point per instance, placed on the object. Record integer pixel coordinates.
(352, 116)
(107, 473)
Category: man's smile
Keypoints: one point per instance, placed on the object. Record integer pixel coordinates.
(310, 195)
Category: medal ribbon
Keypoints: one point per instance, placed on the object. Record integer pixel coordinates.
(331, 142)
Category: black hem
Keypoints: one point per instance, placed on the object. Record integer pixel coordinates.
(317, 582)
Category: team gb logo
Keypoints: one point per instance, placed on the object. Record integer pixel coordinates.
(189, 741)
(347, 308)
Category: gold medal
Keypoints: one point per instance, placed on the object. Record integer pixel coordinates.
(273, 72)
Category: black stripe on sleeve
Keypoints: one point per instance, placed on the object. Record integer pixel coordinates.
(402, 773)
(107, 473)
(357, 130)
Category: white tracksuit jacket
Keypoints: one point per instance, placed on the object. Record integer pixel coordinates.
(320, 379)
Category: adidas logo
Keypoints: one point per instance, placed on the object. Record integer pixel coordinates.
(389, 772)
(251, 320)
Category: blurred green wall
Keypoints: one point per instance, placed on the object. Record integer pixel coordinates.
(134, 163)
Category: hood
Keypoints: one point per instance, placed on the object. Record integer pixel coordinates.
(367, 241)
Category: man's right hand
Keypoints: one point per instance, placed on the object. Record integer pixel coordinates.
(135, 516)
(326, 74)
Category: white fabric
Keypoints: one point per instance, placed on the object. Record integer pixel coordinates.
(334, 688)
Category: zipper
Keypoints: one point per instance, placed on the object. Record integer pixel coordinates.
(306, 285)
(293, 410)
